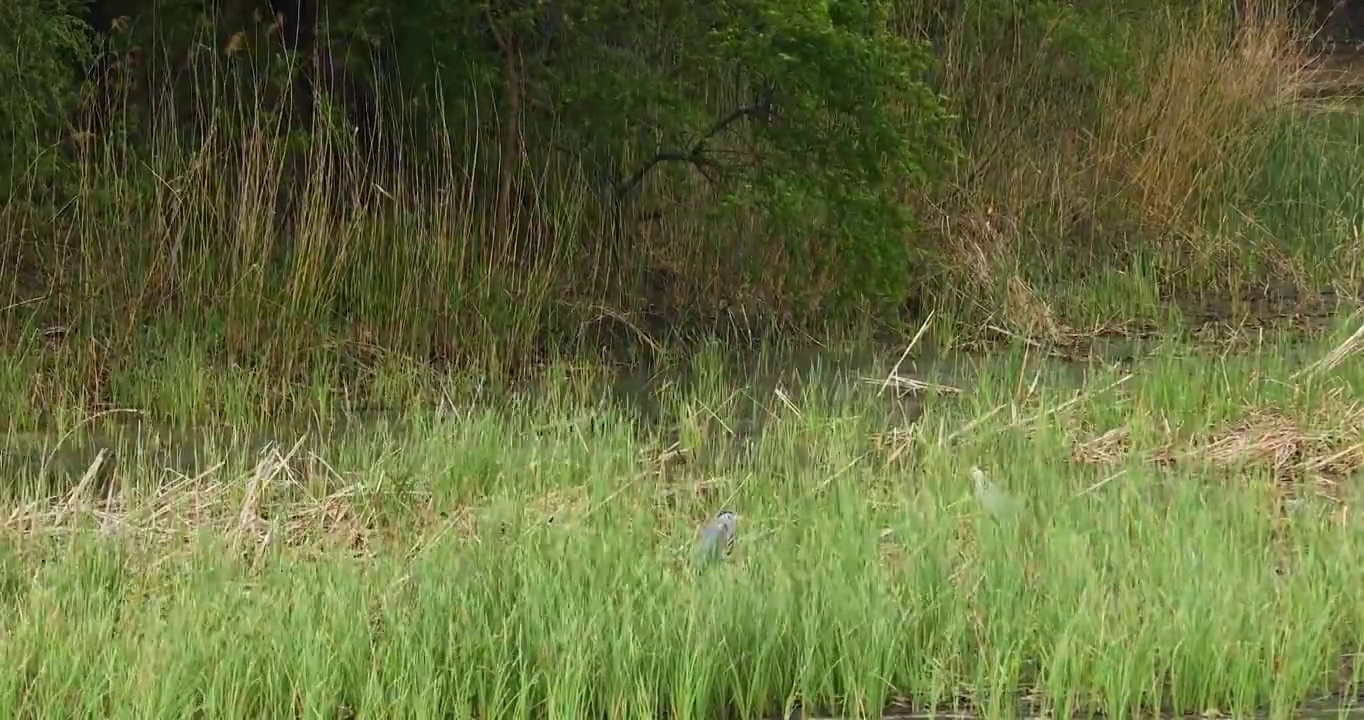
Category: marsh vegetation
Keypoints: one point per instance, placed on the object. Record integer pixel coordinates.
(398, 381)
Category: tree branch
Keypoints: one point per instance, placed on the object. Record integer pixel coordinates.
(696, 155)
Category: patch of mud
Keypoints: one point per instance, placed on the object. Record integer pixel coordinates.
(1336, 74)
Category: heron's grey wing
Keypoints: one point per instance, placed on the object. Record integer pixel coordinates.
(712, 542)
(716, 536)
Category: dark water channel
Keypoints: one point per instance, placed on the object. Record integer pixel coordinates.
(748, 387)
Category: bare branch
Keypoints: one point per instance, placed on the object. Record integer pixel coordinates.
(696, 155)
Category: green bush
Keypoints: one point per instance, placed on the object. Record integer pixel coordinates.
(44, 47)
(813, 116)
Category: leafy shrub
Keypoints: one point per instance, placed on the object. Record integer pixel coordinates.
(813, 116)
(44, 46)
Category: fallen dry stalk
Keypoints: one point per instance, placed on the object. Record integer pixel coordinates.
(894, 372)
(76, 499)
(1338, 355)
(909, 386)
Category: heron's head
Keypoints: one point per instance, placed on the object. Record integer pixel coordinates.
(726, 521)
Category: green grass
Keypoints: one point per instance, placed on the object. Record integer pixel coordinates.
(301, 517)
(530, 556)
(1285, 220)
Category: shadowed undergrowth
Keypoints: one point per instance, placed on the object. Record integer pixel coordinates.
(1119, 173)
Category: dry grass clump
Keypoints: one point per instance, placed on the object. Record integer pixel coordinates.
(1320, 447)
(1319, 450)
(270, 505)
(1055, 195)
(1181, 140)
(1107, 448)
(562, 507)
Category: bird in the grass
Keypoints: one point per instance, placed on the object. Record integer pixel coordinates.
(995, 501)
(716, 536)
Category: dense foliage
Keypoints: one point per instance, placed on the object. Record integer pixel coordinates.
(813, 116)
(793, 158)
(43, 46)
